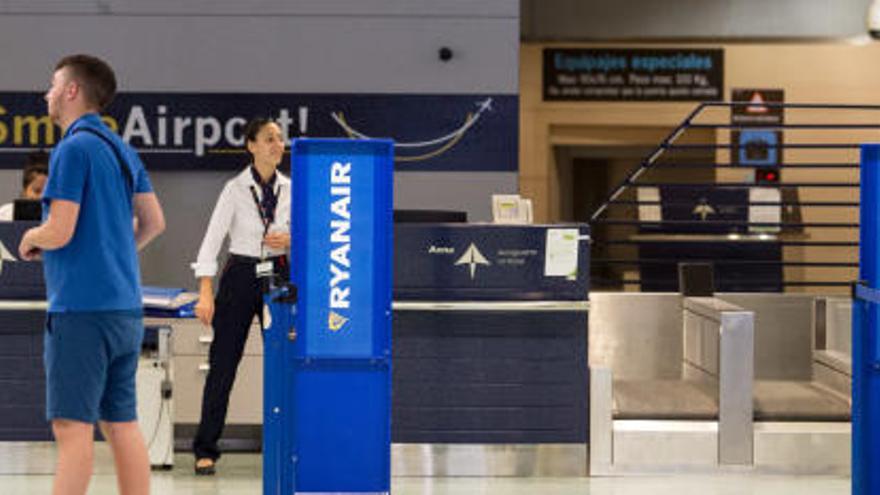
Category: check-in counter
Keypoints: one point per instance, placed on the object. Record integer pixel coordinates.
(742, 263)
(490, 349)
(19, 280)
(490, 354)
(22, 318)
(703, 223)
(22, 380)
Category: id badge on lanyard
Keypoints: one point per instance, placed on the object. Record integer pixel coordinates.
(264, 268)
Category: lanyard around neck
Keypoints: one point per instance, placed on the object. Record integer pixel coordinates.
(264, 215)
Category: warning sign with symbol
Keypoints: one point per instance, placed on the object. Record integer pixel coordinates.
(760, 106)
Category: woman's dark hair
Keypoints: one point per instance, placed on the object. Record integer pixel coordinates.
(252, 129)
(37, 164)
(254, 126)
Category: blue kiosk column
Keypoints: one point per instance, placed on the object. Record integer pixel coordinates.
(327, 367)
(866, 354)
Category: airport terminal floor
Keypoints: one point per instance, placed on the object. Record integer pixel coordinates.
(242, 474)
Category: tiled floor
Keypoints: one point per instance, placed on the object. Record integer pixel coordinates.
(241, 474)
(187, 485)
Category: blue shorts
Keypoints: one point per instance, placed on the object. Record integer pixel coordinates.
(91, 359)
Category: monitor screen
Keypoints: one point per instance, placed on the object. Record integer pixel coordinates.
(27, 209)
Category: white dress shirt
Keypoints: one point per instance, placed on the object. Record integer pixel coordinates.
(236, 214)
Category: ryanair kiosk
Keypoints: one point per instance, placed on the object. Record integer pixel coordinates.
(327, 380)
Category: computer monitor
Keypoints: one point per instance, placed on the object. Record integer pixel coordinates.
(27, 209)
(429, 216)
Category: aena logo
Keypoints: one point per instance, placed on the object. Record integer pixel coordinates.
(5, 255)
(704, 209)
(472, 257)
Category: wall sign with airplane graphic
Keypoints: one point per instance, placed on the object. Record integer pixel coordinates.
(203, 131)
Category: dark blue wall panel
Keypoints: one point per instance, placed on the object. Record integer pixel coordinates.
(489, 377)
(22, 379)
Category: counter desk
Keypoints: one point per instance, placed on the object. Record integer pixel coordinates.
(489, 355)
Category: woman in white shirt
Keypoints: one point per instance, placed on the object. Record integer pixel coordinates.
(254, 211)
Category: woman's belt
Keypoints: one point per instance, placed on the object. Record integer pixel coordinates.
(253, 260)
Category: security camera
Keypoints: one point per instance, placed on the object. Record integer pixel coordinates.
(445, 53)
(874, 19)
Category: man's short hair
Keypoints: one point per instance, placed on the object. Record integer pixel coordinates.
(95, 76)
(37, 164)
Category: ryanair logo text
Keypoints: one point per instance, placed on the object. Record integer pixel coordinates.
(340, 244)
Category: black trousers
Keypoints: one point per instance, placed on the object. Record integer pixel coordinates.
(238, 300)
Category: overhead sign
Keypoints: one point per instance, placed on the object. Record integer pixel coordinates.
(579, 74)
(204, 131)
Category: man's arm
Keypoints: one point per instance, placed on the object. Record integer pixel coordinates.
(55, 233)
(150, 221)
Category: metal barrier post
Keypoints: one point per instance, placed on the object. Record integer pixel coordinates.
(719, 341)
(866, 365)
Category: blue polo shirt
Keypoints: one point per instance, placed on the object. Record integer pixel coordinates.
(98, 269)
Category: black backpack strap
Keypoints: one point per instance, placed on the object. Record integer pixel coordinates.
(126, 172)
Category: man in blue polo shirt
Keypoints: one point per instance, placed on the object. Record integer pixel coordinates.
(88, 241)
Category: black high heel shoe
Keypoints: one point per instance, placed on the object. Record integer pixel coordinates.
(204, 469)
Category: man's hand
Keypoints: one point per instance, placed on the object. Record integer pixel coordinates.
(27, 250)
(54, 233)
